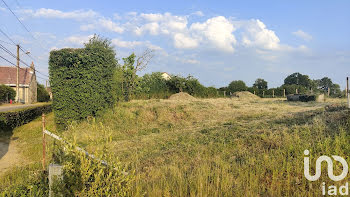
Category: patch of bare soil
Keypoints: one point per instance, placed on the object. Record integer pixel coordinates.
(9, 155)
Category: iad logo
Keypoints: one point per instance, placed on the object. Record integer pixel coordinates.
(329, 167)
(332, 189)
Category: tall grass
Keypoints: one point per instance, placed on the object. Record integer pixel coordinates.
(219, 147)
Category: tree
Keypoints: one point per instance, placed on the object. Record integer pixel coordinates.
(324, 84)
(237, 86)
(43, 95)
(298, 79)
(6, 93)
(132, 65)
(260, 84)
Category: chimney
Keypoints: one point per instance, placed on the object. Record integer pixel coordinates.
(32, 69)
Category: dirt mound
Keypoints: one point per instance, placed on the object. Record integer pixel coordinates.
(245, 95)
(181, 96)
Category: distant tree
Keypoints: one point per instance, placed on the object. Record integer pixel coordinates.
(260, 84)
(298, 79)
(324, 83)
(43, 95)
(237, 86)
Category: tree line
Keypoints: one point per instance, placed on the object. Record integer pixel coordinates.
(294, 83)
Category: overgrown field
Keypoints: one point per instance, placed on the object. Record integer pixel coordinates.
(213, 147)
(218, 147)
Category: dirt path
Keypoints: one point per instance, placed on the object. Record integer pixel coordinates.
(9, 155)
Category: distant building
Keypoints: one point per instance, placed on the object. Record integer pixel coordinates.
(166, 76)
(27, 82)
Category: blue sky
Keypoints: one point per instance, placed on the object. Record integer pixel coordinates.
(215, 41)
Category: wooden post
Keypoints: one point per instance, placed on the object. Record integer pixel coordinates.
(224, 93)
(284, 92)
(264, 93)
(296, 91)
(44, 141)
(254, 92)
(311, 91)
(273, 93)
(347, 91)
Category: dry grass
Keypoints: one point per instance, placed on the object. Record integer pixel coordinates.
(215, 147)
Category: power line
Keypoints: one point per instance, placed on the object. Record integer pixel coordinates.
(14, 56)
(8, 37)
(24, 28)
(17, 18)
(6, 42)
(19, 67)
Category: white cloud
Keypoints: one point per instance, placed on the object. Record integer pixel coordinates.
(126, 44)
(51, 13)
(103, 23)
(198, 13)
(78, 40)
(303, 35)
(187, 61)
(182, 41)
(256, 34)
(218, 30)
(133, 44)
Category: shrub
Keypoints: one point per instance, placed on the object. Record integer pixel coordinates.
(87, 176)
(10, 120)
(237, 86)
(43, 95)
(6, 93)
(82, 80)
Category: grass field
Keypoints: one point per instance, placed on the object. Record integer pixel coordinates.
(206, 147)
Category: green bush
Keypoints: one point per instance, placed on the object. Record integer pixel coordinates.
(10, 120)
(82, 80)
(6, 93)
(43, 95)
(237, 86)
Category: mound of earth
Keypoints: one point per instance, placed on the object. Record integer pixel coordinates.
(245, 95)
(181, 96)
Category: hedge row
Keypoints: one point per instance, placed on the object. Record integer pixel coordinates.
(81, 81)
(12, 119)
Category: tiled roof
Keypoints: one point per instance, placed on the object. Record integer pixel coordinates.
(8, 75)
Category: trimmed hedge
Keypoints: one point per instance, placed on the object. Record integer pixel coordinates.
(12, 119)
(81, 81)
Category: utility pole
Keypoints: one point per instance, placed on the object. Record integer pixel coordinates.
(17, 84)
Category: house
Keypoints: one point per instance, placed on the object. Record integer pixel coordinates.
(166, 76)
(27, 82)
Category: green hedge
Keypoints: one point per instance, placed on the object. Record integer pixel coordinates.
(12, 119)
(81, 81)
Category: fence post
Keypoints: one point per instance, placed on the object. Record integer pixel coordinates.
(264, 93)
(224, 93)
(284, 93)
(296, 91)
(329, 91)
(55, 175)
(273, 93)
(44, 141)
(254, 92)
